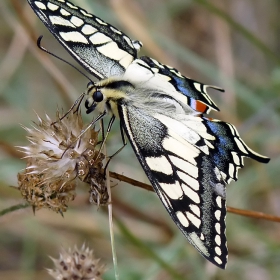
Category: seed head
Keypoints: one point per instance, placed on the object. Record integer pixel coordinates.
(77, 264)
(60, 154)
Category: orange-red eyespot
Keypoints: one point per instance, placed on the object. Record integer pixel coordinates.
(201, 107)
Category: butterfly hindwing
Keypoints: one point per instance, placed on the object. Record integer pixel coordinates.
(196, 92)
(99, 47)
(229, 149)
(182, 183)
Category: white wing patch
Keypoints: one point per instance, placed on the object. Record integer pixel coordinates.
(88, 29)
(174, 191)
(99, 38)
(77, 21)
(178, 148)
(86, 14)
(182, 218)
(160, 164)
(40, 5)
(218, 251)
(193, 219)
(115, 30)
(218, 228)
(195, 209)
(101, 21)
(114, 52)
(71, 6)
(190, 181)
(219, 201)
(52, 7)
(185, 165)
(128, 41)
(64, 13)
(73, 36)
(218, 260)
(198, 243)
(57, 20)
(240, 145)
(190, 193)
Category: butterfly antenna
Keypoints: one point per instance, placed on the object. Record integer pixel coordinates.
(61, 59)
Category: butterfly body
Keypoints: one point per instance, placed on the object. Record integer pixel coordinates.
(188, 157)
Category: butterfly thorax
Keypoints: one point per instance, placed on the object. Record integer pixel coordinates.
(106, 95)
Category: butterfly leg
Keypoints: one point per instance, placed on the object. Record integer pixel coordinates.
(76, 104)
(110, 157)
(83, 131)
(104, 138)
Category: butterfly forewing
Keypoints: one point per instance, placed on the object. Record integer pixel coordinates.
(99, 47)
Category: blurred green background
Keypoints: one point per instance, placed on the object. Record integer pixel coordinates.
(229, 43)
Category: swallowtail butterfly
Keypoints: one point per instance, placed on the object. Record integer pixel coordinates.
(188, 157)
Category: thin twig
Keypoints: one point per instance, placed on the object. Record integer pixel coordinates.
(14, 208)
(131, 181)
(253, 214)
(237, 211)
(242, 212)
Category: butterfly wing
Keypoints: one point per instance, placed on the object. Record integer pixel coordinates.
(189, 162)
(196, 92)
(99, 47)
(180, 175)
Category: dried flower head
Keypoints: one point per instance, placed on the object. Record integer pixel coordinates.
(77, 264)
(59, 153)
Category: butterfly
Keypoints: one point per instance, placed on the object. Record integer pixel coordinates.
(188, 157)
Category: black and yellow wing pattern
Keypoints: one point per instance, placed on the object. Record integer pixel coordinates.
(99, 47)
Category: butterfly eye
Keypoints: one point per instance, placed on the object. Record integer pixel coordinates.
(98, 96)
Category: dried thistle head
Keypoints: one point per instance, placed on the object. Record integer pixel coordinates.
(77, 264)
(42, 194)
(59, 153)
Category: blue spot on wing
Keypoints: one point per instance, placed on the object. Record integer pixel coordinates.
(224, 144)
